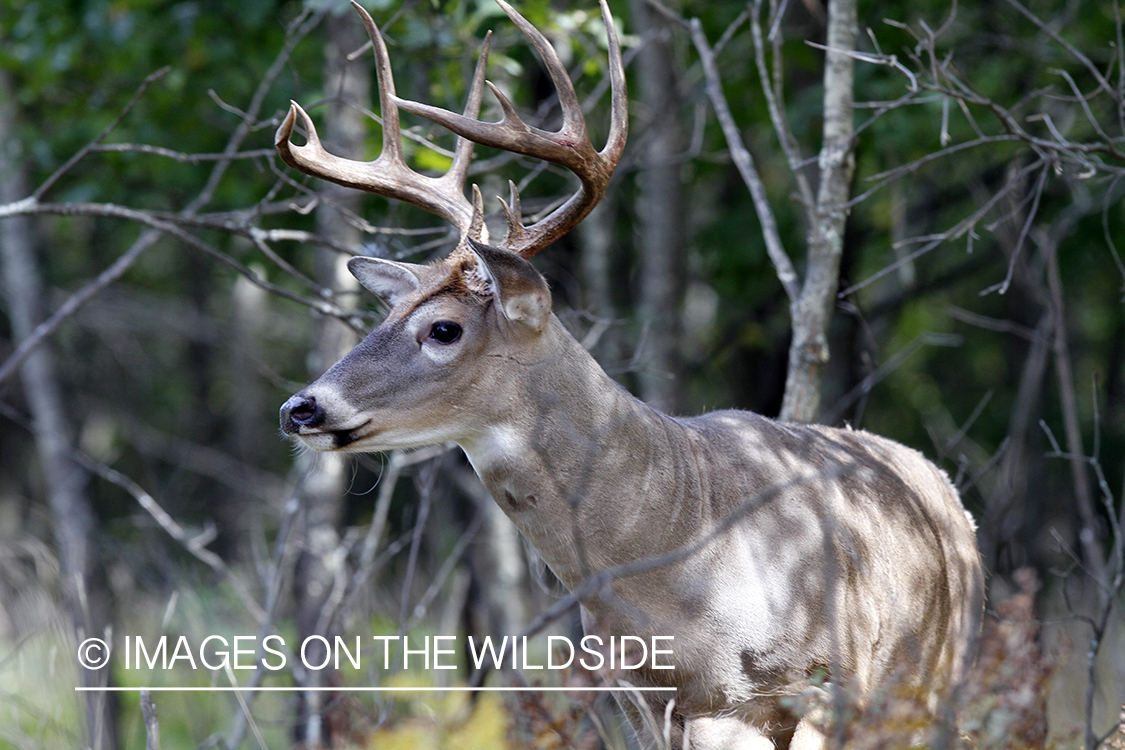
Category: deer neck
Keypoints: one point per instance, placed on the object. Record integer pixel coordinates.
(578, 454)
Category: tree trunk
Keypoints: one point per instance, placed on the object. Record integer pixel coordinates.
(661, 212)
(596, 242)
(321, 718)
(75, 524)
(808, 352)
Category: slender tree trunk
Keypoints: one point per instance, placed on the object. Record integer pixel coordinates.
(75, 524)
(251, 314)
(499, 603)
(1006, 508)
(808, 352)
(319, 567)
(661, 211)
(597, 242)
(1068, 398)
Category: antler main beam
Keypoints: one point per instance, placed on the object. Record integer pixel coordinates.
(569, 147)
(389, 175)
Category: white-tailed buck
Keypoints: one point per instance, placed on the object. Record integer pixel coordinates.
(783, 558)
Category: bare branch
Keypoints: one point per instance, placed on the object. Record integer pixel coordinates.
(180, 156)
(808, 350)
(965, 225)
(192, 543)
(775, 103)
(469, 535)
(991, 324)
(152, 725)
(300, 28)
(1085, 61)
(74, 303)
(833, 415)
(123, 263)
(81, 153)
(963, 430)
(884, 178)
(1068, 398)
(744, 162)
(1036, 193)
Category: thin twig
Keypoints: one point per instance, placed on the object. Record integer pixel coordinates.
(74, 303)
(82, 152)
(180, 156)
(467, 537)
(744, 162)
(991, 324)
(192, 543)
(152, 726)
(886, 177)
(275, 576)
(963, 226)
(1069, 402)
(833, 415)
(775, 103)
(1033, 212)
(963, 430)
(1085, 61)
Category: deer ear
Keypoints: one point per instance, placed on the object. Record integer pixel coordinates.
(521, 290)
(388, 279)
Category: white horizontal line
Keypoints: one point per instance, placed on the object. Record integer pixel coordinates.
(275, 689)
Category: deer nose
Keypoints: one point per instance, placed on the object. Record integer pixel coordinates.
(300, 411)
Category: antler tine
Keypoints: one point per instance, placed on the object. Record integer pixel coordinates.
(392, 130)
(569, 147)
(389, 175)
(463, 151)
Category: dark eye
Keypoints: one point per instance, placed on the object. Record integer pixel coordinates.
(445, 332)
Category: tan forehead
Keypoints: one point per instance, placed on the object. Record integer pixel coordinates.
(456, 277)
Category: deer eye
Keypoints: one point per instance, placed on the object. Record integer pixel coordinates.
(445, 332)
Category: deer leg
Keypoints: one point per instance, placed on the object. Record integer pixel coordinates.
(723, 733)
(808, 736)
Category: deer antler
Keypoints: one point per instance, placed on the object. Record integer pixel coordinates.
(389, 175)
(569, 147)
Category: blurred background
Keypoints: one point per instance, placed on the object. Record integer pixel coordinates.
(168, 283)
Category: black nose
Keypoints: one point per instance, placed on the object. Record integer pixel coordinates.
(300, 411)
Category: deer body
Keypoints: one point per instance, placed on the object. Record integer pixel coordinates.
(776, 555)
(778, 552)
(595, 480)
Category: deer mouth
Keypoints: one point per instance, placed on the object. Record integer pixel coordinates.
(344, 438)
(333, 440)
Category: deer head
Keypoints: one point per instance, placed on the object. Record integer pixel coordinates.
(450, 321)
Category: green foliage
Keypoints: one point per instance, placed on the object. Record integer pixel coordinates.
(173, 374)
